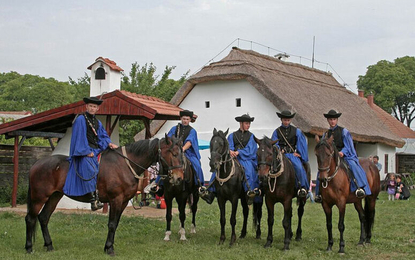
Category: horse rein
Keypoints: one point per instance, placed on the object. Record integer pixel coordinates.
(224, 162)
(326, 181)
(273, 174)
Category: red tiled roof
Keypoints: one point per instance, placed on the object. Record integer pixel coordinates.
(107, 61)
(396, 126)
(125, 104)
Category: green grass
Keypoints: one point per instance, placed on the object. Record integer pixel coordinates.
(83, 236)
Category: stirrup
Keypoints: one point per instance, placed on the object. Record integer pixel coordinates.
(96, 205)
(202, 190)
(318, 199)
(360, 193)
(253, 193)
(302, 193)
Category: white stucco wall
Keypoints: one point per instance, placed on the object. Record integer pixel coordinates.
(222, 112)
(111, 82)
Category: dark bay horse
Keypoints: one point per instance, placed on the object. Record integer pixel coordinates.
(229, 185)
(277, 182)
(116, 183)
(184, 189)
(335, 190)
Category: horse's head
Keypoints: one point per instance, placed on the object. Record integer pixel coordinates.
(171, 159)
(269, 159)
(219, 148)
(327, 156)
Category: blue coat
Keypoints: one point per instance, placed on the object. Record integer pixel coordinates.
(86, 167)
(301, 147)
(248, 159)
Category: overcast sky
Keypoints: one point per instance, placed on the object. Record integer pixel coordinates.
(60, 39)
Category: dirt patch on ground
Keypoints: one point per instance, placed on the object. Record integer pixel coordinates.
(146, 211)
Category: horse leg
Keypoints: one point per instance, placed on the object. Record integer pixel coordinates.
(286, 223)
(245, 210)
(169, 205)
(44, 217)
(182, 215)
(270, 209)
(222, 208)
(370, 216)
(342, 211)
(117, 206)
(194, 210)
(233, 221)
(300, 212)
(359, 208)
(33, 209)
(257, 212)
(329, 225)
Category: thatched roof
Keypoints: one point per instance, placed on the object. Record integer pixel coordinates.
(306, 91)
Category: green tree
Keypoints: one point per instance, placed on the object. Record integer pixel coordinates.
(393, 86)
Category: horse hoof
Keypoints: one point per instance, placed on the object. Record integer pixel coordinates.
(298, 239)
(193, 229)
(109, 251)
(258, 237)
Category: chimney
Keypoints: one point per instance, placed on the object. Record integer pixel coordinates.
(282, 56)
(105, 76)
(361, 93)
(370, 99)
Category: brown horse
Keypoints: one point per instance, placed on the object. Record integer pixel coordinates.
(335, 190)
(277, 182)
(184, 189)
(116, 183)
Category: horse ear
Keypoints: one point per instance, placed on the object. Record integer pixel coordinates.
(330, 140)
(258, 141)
(317, 138)
(166, 138)
(215, 132)
(226, 133)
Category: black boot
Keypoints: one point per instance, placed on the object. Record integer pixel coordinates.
(207, 196)
(318, 199)
(95, 203)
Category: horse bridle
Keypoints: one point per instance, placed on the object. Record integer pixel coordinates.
(227, 155)
(170, 168)
(273, 173)
(327, 169)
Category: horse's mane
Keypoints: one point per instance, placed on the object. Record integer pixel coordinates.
(143, 146)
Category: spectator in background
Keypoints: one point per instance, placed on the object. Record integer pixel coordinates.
(391, 186)
(377, 163)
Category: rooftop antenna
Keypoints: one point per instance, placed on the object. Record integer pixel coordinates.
(312, 59)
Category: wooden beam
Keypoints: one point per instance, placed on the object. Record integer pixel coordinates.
(115, 123)
(146, 122)
(15, 171)
(34, 134)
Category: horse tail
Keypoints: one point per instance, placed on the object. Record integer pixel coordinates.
(30, 210)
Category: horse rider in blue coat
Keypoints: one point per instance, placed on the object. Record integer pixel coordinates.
(88, 140)
(190, 147)
(242, 146)
(293, 144)
(344, 144)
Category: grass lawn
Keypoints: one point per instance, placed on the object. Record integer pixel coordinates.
(82, 236)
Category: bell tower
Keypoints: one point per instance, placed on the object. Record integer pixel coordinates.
(105, 76)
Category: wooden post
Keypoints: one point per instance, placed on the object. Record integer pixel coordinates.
(146, 122)
(109, 132)
(15, 171)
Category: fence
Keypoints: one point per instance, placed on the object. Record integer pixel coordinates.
(28, 155)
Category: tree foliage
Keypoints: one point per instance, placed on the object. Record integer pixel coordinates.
(37, 94)
(393, 86)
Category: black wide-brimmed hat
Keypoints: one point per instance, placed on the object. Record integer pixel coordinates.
(92, 100)
(244, 118)
(286, 114)
(332, 114)
(186, 113)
